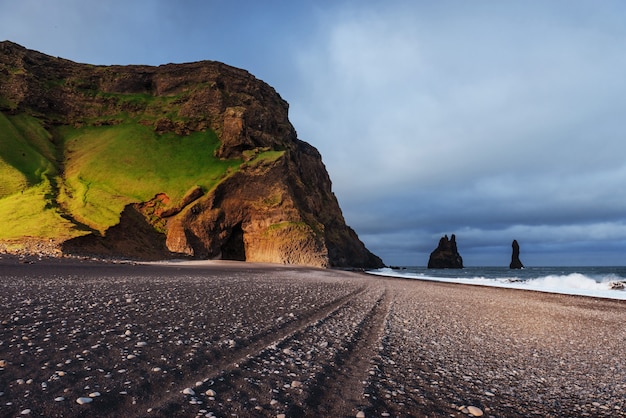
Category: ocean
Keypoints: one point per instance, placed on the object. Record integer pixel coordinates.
(604, 282)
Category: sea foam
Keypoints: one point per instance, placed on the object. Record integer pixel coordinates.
(604, 286)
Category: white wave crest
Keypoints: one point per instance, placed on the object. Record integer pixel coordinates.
(609, 286)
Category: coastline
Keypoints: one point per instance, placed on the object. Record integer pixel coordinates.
(599, 282)
(264, 340)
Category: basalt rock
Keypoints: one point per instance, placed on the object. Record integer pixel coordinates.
(515, 261)
(446, 255)
(276, 206)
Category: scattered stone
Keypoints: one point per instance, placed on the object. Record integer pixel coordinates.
(360, 414)
(141, 344)
(474, 411)
(3, 363)
(189, 391)
(83, 401)
(281, 416)
(59, 399)
(210, 392)
(296, 384)
(25, 412)
(94, 394)
(156, 369)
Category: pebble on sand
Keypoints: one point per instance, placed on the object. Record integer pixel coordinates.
(474, 411)
(189, 391)
(360, 414)
(82, 401)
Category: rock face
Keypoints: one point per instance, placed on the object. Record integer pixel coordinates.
(446, 255)
(277, 207)
(515, 261)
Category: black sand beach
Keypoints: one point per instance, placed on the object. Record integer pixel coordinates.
(234, 339)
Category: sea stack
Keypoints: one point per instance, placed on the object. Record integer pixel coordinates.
(446, 255)
(515, 261)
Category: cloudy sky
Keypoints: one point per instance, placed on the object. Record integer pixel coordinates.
(492, 120)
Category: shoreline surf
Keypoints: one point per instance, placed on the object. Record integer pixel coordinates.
(599, 282)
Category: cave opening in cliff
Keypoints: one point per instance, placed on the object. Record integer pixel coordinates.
(234, 247)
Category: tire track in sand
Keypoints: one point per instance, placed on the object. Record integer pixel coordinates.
(226, 362)
(336, 394)
(309, 372)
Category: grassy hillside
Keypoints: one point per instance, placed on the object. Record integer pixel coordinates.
(78, 143)
(29, 168)
(63, 182)
(108, 167)
(26, 153)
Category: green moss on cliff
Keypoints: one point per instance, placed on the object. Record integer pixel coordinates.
(108, 167)
(26, 153)
(83, 175)
(31, 213)
(58, 183)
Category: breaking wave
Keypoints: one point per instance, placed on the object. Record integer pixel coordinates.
(592, 281)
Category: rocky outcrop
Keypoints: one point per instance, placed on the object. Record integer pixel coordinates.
(515, 261)
(277, 207)
(133, 238)
(267, 213)
(446, 255)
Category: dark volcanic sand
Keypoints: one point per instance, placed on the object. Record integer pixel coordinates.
(296, 341)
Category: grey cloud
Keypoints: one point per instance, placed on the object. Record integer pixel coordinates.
(490, 122)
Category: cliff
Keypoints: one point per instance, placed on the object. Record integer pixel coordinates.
(195, 159)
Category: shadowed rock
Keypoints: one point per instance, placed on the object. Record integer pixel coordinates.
(515, 261)
(446, 255)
